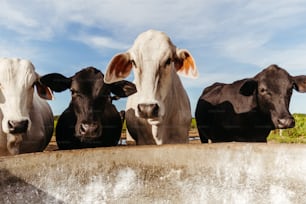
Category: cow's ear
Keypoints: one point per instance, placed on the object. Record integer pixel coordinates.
(185, 64)
(300, 83)
(44, 91)
(56, 82)
(122, 88)
(248, 88)
(119, 68)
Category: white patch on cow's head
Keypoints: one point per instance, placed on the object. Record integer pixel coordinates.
(17, 78)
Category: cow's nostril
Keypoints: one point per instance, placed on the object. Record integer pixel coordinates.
(155, 110)
(16, 126)
(84, 128)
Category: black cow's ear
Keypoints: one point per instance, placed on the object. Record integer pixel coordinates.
(248, 88)
(56, 82)
(122, 88)
(300, 83)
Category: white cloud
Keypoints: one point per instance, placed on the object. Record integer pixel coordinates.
(101, 42)
(241, 33)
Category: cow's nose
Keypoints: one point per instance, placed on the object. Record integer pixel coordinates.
(286, 122)
(88, 128)
(18, 126)
(148, 110)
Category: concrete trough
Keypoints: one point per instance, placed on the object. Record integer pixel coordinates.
(194, 173)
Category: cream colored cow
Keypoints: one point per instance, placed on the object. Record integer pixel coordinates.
(159, 113)
(26, 119)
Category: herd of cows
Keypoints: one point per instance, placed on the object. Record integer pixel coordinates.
(157, 110)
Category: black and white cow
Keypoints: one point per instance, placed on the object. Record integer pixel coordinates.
(159, 113)
(247, 110)
(91, 120)
(26, 118)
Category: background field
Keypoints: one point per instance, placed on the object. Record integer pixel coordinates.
(292, 135)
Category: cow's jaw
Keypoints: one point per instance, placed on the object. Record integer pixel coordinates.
(13, 143)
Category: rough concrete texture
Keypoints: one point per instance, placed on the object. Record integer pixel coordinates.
(210, 173)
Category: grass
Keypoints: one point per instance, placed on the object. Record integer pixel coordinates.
(291, 135)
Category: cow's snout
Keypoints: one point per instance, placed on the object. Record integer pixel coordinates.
(88, 129)
(17, 126)
(286, 122)
(148, 110)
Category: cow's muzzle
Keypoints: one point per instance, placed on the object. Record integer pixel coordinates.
(148, 110)
(88, 131)
(283, 123)
(17, 126)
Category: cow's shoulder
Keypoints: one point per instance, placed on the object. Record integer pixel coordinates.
(219, 93)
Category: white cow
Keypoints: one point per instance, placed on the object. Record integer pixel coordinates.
(159, 113)
(26, 119)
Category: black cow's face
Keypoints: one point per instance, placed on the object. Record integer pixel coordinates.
(273, 90)
(89, 96)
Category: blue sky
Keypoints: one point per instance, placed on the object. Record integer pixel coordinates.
(229, 39)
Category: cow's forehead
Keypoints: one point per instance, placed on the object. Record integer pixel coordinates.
(88, 81)
(151, 45)
(17, 70)
(275, 78)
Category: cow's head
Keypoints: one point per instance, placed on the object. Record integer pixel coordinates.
(17, 81)
(89, 94)
(155, 61)
(272, 89)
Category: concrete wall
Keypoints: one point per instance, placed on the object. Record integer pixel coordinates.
(210, 173)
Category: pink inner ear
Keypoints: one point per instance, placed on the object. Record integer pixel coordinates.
(118, 69)
(44, 91)
(188, 68)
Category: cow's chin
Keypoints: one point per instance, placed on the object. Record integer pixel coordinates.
(89, 137)
(13, 143)
(84, 138)
(154, 121)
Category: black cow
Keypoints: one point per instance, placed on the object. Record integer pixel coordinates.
(247, 110)
(91, 120)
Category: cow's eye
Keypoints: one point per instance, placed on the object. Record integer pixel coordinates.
(133, 63)
(263, 90)
(168, 62)
(74, 92)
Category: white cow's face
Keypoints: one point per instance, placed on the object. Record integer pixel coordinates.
(153, 64)
(155, 61)
(17, 81)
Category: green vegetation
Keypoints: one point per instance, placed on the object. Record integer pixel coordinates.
(193, 124)
(292, 135)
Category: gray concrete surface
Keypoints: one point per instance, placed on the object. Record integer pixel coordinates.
(194, 173)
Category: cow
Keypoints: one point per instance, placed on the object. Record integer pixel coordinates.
(90, 120)
(26, 117)
(248, 109)
(159, 113)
